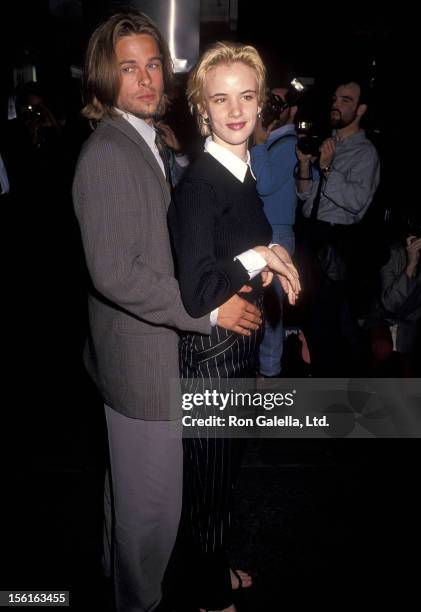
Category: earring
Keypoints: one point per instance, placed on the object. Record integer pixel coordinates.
(259, 115)
(205, 120)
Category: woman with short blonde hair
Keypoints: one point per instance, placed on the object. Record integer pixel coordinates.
(222, 53)
(216, 219)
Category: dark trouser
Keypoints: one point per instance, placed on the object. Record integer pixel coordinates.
(327, 279)
(211, 466)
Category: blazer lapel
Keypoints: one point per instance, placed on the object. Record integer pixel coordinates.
(124, 126)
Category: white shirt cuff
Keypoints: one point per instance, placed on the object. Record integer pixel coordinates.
(253, 262)
(214, 317)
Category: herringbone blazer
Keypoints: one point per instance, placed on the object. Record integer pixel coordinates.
(121, 199)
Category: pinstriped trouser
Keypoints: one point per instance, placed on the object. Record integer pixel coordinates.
(211, 464)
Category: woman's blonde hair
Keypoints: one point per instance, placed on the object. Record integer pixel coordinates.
(221, 53)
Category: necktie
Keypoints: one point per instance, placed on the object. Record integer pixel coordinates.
(249, 178)
(163, 153)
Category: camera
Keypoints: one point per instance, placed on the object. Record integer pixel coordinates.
(272, 108)
(33, 110)
(308, 141)
(275, 105)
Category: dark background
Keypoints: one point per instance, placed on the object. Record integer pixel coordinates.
(310, 515)
(318, 40)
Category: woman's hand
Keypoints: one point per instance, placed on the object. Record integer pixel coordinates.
(267, 277)
(279, 261)
(168, 136)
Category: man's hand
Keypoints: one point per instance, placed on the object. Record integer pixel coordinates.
(48, 119)
(168, 136)
(304, 158)
(413, 249)
(238, 315)
(304, 179)
(327, 153)
(35, 122)
(260, 133)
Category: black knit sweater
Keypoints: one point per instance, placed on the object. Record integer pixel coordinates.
(213, 218)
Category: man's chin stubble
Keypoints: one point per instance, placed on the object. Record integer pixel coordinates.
(156, 114)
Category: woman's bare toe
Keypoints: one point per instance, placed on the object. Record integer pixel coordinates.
(240, 580)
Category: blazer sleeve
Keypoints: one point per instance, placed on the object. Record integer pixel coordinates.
(107, 198)
(206, 281)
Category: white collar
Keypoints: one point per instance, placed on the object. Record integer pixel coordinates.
(146, 131)
(229, 160)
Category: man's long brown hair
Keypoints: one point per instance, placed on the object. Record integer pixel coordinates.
(101, 74)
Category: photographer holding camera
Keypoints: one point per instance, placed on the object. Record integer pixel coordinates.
(273, 161)
(336, 193)
(38, 120)
(348, 169)
(34, 148)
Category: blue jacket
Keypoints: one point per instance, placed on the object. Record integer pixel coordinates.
(273, 164)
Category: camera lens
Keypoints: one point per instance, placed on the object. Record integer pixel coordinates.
(309, 144)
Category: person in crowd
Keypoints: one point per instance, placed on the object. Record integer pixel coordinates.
(121, 194)
(273, 160)
(34, 151)
(336, 193)
(216, 220)
(394, 324)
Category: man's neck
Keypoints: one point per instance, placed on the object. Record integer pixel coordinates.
(347, 131)
(148, 120)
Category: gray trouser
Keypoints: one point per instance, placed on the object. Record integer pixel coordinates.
(143, 512)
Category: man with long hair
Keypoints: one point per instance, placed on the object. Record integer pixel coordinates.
(121, 197)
